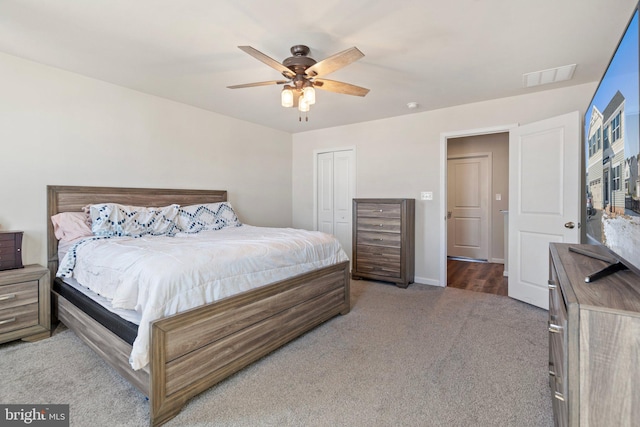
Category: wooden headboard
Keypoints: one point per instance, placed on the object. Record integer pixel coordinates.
(62, 198)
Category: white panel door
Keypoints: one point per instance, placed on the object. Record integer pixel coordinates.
(544, 201)
(343, 193)
(335, 190)
(468, 207)
(325, 192)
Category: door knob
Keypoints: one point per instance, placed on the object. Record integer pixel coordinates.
(569, 225)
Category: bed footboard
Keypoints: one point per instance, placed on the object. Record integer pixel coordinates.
(196, 349)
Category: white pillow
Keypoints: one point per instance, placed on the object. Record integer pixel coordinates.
(210, 216)
(112, 219)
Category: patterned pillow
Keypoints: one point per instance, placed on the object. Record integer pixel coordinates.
(211, 216)
(112, 219)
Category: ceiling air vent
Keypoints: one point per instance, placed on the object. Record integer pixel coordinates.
(551, 75)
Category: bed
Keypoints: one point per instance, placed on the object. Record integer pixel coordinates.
(191, 351)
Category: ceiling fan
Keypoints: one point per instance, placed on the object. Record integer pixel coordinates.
(302, 74)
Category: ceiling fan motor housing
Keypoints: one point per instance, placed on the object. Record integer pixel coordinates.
(299, 62)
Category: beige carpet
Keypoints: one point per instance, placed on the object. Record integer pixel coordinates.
(422, 356)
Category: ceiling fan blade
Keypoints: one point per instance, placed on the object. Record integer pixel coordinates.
(270, 82)
(268, 60)
(335, 62)
(340, 87)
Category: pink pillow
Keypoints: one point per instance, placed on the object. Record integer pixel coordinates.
(69, 226)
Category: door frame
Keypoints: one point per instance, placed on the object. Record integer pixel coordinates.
(444, 136)
(315, 176)
(489, 157)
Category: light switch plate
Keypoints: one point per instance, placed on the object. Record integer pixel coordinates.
(426, 195)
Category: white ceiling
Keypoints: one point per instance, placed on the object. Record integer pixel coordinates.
(434, 52)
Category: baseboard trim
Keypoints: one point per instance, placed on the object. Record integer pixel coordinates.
(426, 281)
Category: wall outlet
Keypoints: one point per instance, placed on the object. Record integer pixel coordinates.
(426, 195)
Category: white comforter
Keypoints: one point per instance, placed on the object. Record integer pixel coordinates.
(160, 276)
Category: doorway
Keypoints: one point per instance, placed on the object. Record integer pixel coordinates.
(477, 183)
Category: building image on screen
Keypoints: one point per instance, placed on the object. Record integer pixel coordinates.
(612, 161)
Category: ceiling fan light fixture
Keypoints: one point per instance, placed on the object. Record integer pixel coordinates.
(302, 73)
(303, 105)
(286, 97)
(309, 94)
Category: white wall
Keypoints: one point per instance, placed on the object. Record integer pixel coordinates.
(60, 128)
(400, 157)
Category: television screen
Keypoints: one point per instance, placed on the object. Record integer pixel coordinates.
(612, 161)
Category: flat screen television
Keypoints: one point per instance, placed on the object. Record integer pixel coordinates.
(612, 153)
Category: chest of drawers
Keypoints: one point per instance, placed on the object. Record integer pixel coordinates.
(383, 240)
(594, 341)
(10, 250)
(25, 304)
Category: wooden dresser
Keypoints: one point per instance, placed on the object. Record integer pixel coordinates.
(594, 341)
(383, 240)
(25, 304)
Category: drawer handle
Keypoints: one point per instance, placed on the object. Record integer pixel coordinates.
(6, 297)
(551, 373)
(380, 239)
(380, 210)
(559, 396)
(2, 322)
(556, 329)
(552, 284)
(381, 225)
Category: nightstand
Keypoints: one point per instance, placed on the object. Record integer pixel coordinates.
(25, 304)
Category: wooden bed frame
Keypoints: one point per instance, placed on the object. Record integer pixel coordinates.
(193, 350)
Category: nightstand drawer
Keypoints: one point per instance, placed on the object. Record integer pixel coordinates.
(389, 225)
(379, 210)
(25, 303)
(19, 317)
(18, 294)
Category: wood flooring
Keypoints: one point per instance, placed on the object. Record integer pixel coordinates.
(477, 276)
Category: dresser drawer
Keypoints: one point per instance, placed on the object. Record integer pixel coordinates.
(379, 210)
(369, 253)
(22, 316)
(379, 239)
(380, 268)
(389, 225)
(378, 260)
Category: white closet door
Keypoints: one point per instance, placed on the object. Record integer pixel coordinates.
(336, 189)
(325, 192)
